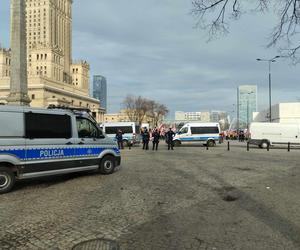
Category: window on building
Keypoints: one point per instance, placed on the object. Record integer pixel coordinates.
(47, 126)
(32, 96)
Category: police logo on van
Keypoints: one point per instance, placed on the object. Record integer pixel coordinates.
(49, 153)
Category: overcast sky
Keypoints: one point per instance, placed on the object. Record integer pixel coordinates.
(151, 48)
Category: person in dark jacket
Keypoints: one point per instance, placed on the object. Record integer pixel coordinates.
(146, 138)
(155, 139)
(119, 137)
(169, 139)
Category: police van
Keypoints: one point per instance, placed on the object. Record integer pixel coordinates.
(43, 142)
(206, 133)
(131, 131)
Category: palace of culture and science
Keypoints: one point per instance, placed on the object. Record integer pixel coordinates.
(53, 77)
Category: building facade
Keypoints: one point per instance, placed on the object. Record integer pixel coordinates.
(100, 90)
(52, 76)
(192, 116)
(281, 113)
(247, 104)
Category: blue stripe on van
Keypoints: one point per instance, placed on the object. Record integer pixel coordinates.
(55, 153)
(198, 138)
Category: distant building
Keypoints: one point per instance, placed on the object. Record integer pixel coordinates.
(247, 103)
(179, 116)
(214, 116)
(187, 116)
(100, 90)
(193, 116)
(205, 116)
(54, 78)
(281, 113)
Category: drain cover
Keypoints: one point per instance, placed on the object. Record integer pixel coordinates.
(97, 244)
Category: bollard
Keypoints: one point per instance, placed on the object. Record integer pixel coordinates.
(206, 146)
(228, 146)
(268, 147)
(289, 146)
(248, 144)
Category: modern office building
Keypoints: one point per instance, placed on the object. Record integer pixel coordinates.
(247, 104)
(53, 77)
(100, 90)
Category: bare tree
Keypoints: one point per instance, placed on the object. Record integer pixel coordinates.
(159, 112)
(138, 108)
(215, 16)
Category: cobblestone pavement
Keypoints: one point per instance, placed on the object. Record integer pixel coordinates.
(190, 198)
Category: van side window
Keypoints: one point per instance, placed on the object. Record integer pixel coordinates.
(47, 126)
(86, 129)
(113, 130)
(204, 130)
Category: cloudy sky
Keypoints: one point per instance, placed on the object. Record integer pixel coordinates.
(151, 48)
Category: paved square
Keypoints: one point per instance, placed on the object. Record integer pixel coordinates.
(189, 198)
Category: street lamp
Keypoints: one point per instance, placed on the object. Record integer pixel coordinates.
(270, 84)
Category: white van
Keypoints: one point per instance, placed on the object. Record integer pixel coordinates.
(264, 134)
(131, 131)
(43, 142)
(208, 133)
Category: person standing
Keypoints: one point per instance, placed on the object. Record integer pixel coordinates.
(169, 138)
(119, 137)
(146, 138)
(155, 139)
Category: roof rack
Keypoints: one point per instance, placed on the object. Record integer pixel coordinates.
(74, 110)
(52, 106)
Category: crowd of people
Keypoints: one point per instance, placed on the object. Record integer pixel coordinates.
(149, 135)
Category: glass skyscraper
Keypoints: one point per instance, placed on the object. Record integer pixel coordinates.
(247, 104)
(100, 90)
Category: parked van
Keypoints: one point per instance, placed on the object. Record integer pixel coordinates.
(43, 142)
(207, 133)
(131, 131)
(266, 134)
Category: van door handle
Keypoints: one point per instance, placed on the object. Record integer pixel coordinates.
(69, 143)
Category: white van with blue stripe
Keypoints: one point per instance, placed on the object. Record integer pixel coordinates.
(43, 142)
(130, 130)
(206, 133)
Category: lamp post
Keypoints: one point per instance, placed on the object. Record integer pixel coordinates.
(270, 82)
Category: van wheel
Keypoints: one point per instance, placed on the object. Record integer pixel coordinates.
(264, 144)
(107, 165)
(177, 143)
(211, 143)
(7, 180)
